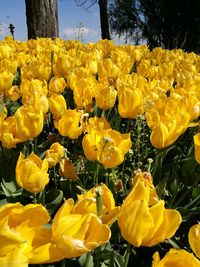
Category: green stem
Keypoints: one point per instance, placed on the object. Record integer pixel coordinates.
(87, 262)
(126, 255)
(99, 203)
(96, 174)
(34, 198)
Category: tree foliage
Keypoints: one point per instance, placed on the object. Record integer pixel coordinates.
(166, 23)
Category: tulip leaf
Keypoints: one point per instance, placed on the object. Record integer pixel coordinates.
(160, 188)
(86, 260)
(187, 213)
(53, 199)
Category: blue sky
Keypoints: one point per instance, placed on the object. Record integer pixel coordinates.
(70, 16)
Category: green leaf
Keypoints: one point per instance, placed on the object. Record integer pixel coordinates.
(53, 200)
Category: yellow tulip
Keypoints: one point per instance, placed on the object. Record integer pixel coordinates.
(57, 85)
(75, 234)
(6, 79)
(13, 259)
(107, 70)
(105, 95)
(23, 237)
(197, 147)
(94, 129)
(64, 64)
(5, 51)
(8, 133)
(175, 258)
(84, 91)
(57, 105)
(29, 122)
(13, 93)
(194, 239)
(112, 148)
(31, 173)
(130, 102)
(143, 219)
(88, 203)
(69, 124)
(54, 154)
(89, 144)
(28, 88)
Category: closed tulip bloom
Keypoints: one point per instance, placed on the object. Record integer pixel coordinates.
(194, 239)
(31, 173)
(75, 234)
(57, 105)
(29, 122)
(105, 95)
(57, 85)
(69, 124)
(107, 70)
(197, 147)
(130, 102)
(175, 258)
(143, 219)
(89, 144)
(54, 154)
(6, 80)
(13, 93)
(8, 133)
(84, 91)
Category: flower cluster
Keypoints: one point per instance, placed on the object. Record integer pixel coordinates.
(72, 117)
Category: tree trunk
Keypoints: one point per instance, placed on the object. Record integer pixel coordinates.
(105, 34)
(42, 18)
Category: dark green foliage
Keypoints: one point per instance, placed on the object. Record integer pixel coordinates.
(165, 23)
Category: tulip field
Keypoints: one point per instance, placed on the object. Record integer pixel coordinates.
(99, 155)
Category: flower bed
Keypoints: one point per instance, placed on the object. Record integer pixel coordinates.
(99, 155)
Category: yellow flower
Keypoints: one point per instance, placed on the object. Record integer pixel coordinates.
(57, 85)
(130, 102)
(107, 70)
(54, 154)
(112, 148)
(87, 203)
(5, 51)
(69, 124)
(67, 169)
(6, 79)
(194, 239)
(84, 91)
(94, 129)
(13, 93)
(104, 144)
(57, 105)
(64, 64)
(105, 95)
(13, 259)
(175, 258)
(30, 88)
(31, 173)
(23, 237)
(143, 219)
(8, 133)
(29, 122)
(197, 147)
(75, 234)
